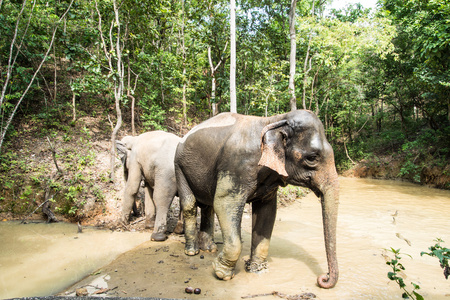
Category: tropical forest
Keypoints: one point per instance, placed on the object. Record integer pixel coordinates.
(77, 75)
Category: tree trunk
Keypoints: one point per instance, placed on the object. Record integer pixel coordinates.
(214, 105)
(213, 84)
(118, 87)
(133, 100)
(55, 81)
(292, 60)
(74, 111)
(183, 51)
(305, 65)
(233, 105)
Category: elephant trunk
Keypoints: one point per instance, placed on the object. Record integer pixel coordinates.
(330, 202)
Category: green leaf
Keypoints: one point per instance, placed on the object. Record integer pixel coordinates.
(391, 275)
(418, 296)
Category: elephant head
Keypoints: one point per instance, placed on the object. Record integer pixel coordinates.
(297, 149)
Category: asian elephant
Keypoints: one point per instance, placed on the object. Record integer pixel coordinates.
(150, 155)
(232, 159)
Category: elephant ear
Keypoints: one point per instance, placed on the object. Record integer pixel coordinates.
(273, 147)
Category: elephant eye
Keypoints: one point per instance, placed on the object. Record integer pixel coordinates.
(312, 160)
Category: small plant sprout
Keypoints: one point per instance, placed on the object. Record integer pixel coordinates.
(394, 276)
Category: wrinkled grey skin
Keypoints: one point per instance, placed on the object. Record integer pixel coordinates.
(232, 159)
(150, 155)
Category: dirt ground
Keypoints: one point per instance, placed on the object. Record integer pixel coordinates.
(161, 269)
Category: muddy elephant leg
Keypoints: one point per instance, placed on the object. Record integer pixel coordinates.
(163, 195)
(188, 203)
(263, 219)
(179, 229)
(206, 234)
(129, 196)
(230, 216)
(149, 207)
(189, 208)
(229, 207)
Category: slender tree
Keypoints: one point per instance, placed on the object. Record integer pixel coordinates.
(213, 79)
(292, 60)
(233, 107)
(183, 53)
(307, 62)
(116, 70)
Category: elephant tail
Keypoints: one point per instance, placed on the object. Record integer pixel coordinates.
(122, 151)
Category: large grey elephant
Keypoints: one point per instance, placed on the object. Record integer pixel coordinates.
(232, 159)
(150, 155)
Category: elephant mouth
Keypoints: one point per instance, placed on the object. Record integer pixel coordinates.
(304, 180)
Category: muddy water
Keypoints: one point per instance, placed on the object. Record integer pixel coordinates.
(373, 215)
(42, 259)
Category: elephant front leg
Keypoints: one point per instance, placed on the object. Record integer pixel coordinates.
(206, 234)
(263, 219)
(229, 209)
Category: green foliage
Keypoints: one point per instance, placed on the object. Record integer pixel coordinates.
(429, 145)
(70, 204)
(441, 253)
(394, 276)
(351, 13)
(289, 194)
(153, 117)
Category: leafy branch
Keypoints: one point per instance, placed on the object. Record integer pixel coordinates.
(398, 267)
(442, 253)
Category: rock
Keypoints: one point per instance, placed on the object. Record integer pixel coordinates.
(81, 292)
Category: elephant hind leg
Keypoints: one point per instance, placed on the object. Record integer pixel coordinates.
(179, 228)
(163, 195)
(206, 234)
(150, 210)
(189, 209)
(188, 203)
(131, 190)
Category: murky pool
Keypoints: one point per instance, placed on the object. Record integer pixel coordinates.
(373, 215)
(42, 259)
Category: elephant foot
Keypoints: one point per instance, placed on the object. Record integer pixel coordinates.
(179, 229)
(124, 220)
(160, 235)
(191, 250)
(206, 243)
(256, 266)
(149, 223)
(222, 271)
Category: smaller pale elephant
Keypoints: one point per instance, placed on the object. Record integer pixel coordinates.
(150, 155)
